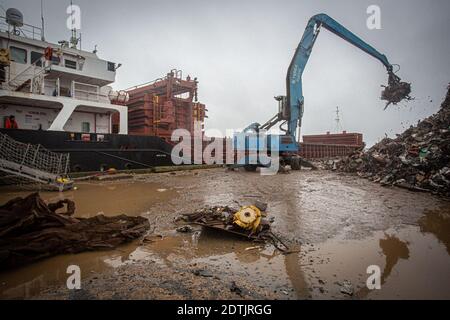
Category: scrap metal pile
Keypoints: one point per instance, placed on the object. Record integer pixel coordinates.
(31, 230)
(418, 159)
(248, 221)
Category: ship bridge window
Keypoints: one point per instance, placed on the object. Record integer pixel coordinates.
(111, 66)
(36, 58)
(85, 127)
(70, 64)
(18, 55)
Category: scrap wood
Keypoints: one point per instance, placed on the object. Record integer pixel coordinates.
(31, 230)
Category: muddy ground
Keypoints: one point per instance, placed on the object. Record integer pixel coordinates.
(340, 224)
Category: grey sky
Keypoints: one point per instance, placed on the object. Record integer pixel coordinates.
(240, 51)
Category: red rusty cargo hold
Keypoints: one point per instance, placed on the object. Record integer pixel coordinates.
(158, 107)
(330, 145)
(353, 139)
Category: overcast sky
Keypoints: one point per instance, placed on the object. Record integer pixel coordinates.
(240, 52)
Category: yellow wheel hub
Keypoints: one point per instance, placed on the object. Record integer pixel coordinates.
(249, 218)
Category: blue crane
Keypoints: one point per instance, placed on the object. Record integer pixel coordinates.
(291, 106)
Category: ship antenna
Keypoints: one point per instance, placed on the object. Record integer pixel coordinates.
(73, 40)
(42, 21)
(338, 120)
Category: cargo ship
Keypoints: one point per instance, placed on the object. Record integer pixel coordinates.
(60, 97)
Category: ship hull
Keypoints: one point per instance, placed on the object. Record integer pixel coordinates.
(98, 152)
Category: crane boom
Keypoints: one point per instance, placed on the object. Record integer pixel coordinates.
(291, 106)
(294, 101)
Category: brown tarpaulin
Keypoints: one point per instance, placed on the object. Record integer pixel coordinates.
(31, 230)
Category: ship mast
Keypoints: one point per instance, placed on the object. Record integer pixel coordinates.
(73, 39)
(42, 21)
(338, 121)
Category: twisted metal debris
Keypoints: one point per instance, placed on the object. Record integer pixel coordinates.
(395, 91)
(418, 159)
(223, 218)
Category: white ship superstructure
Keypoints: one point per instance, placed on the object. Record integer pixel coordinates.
(55, 87)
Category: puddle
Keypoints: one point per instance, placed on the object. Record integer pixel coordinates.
(110, 198)
(28, 281)
(437, 222)
(413, 265)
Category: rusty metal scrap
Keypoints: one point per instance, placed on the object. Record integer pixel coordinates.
(222, 218)
(395, 91)
(418, 159)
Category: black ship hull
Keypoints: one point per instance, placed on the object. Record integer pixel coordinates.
(98, 152)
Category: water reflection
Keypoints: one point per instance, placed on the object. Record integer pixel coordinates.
(393, 249)
(28, 281)
(437, 222)
(229, 255)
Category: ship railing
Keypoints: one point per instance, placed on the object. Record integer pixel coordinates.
(85, 91)
(33, 79)
(27, 30)
(144, 84)
(178, 74)
(50, 87)
(30, 77)
(33, 156)
(88, 92)
(34, 163)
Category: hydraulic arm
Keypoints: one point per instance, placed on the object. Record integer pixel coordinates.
(291, 106)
